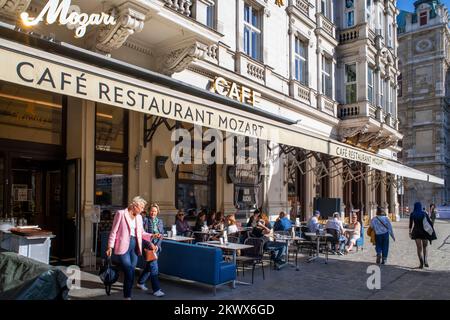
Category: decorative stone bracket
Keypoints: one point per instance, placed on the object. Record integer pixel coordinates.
(346, 133)
(130, 19)
(177, 60)
(13, 7)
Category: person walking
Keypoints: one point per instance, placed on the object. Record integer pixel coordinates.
(433, 213)
(421, 230)
(155, 226)
(126, 239)
(383, 229)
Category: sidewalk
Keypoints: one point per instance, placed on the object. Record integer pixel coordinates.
(344, 277)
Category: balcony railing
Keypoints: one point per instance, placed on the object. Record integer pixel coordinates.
(326, 25)
(348, 35)
(300, 92)
(327, 105)
(182, 6)
(302, 5)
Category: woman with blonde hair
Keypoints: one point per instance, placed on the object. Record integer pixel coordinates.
(231, 224)
(126, 239)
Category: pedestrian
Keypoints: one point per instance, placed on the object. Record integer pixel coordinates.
(421, 230)
(155, 226)
(126, 239)
(433, 213)
(383, 228)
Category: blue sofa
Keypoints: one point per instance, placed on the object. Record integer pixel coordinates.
(195, 262)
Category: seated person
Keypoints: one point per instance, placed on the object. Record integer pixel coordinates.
(313, 223)
(219, 222)
(181, 224)
(199, 223)
(231, 224)
(253, 219)
(278, 249)
(354, 235)
(335, 227)
(282, 223)
(211, 219)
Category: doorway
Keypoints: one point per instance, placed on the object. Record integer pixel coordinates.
(44, 191)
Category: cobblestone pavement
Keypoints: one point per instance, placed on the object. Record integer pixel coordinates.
(344, 277)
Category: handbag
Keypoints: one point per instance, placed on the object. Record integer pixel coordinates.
(426, 226)
(150, 253)
(109, 275)
(371, 234)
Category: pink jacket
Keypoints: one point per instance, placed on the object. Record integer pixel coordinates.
(119, 237)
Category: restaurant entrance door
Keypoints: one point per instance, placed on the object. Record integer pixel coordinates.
(43, 192)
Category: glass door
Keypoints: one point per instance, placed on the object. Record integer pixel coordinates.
(72, 217)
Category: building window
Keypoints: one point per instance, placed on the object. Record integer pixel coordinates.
(194, 188)
(252, 32)
(369, 13)
(111, 157)
(423, 18)
(30, 115)
(210, 16)
(390, 45)
(301, 61)
(391, 92)
(325, 8)
(326, 77)
(386, 93)
(370, 85)
(349, 13)
(382, 93)
(350, 83)
(400, 85)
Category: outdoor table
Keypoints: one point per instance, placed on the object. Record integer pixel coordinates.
(313, 235)
(179, 238)
(234, 247)
(288, 239)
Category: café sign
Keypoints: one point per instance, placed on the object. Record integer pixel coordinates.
(234, 91)
(67, 14)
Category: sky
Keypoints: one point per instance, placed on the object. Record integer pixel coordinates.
(408, 4)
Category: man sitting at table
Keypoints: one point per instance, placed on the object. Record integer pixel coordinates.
(282, 223)
(313, 223)
(278, 249)
(334, 226)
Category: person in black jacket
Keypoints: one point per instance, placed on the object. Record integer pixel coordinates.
(420, 232)
(154, 225)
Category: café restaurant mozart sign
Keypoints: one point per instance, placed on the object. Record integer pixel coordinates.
(67, 14)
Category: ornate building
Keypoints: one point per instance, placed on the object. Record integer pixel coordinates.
(424, 52)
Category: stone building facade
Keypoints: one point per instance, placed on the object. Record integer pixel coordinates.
(424, 52)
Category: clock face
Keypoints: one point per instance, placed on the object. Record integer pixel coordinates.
(424, 45)
(349, 3)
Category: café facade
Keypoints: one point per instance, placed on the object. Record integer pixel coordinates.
(95, 97)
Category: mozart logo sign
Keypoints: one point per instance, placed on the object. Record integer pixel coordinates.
(69, 15)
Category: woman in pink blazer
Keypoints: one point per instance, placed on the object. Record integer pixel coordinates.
(126, 239)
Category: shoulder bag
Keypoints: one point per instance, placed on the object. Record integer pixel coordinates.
(150, 253)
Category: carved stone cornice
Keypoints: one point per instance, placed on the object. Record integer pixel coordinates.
(369, 137)
(13, 7)
(130, 19)
(346, 133)
(389, 142)
(179, 59)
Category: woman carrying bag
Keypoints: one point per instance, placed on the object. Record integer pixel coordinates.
(155, 226)
(126, 239)
(383, 229)
(421, 230)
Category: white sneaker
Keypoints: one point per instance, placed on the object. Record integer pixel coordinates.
(142, 287)
(159, 293)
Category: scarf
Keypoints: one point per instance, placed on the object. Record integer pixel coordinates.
(155, 225)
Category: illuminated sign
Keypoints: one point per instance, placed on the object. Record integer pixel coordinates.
(69, 15)
(234, 91)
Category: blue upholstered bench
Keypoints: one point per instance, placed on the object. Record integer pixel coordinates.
(196, 263)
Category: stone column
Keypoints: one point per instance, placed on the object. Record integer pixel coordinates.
(393, 200)
(310, 185)
(370, 192)
(87, 135)
(383, 199)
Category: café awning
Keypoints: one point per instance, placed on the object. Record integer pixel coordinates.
(68, 70)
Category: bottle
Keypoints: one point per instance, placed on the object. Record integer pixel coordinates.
(293, 232)
(174, 230)
(225, 237)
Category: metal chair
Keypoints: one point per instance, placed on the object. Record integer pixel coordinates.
(253, 255)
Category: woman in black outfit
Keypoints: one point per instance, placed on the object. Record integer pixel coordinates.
(418, 233)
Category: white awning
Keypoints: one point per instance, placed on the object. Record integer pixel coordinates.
(35, 68)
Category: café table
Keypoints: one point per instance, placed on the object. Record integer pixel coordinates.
(234, 247)
(288, 240)
(318, 237)
(179, 238)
